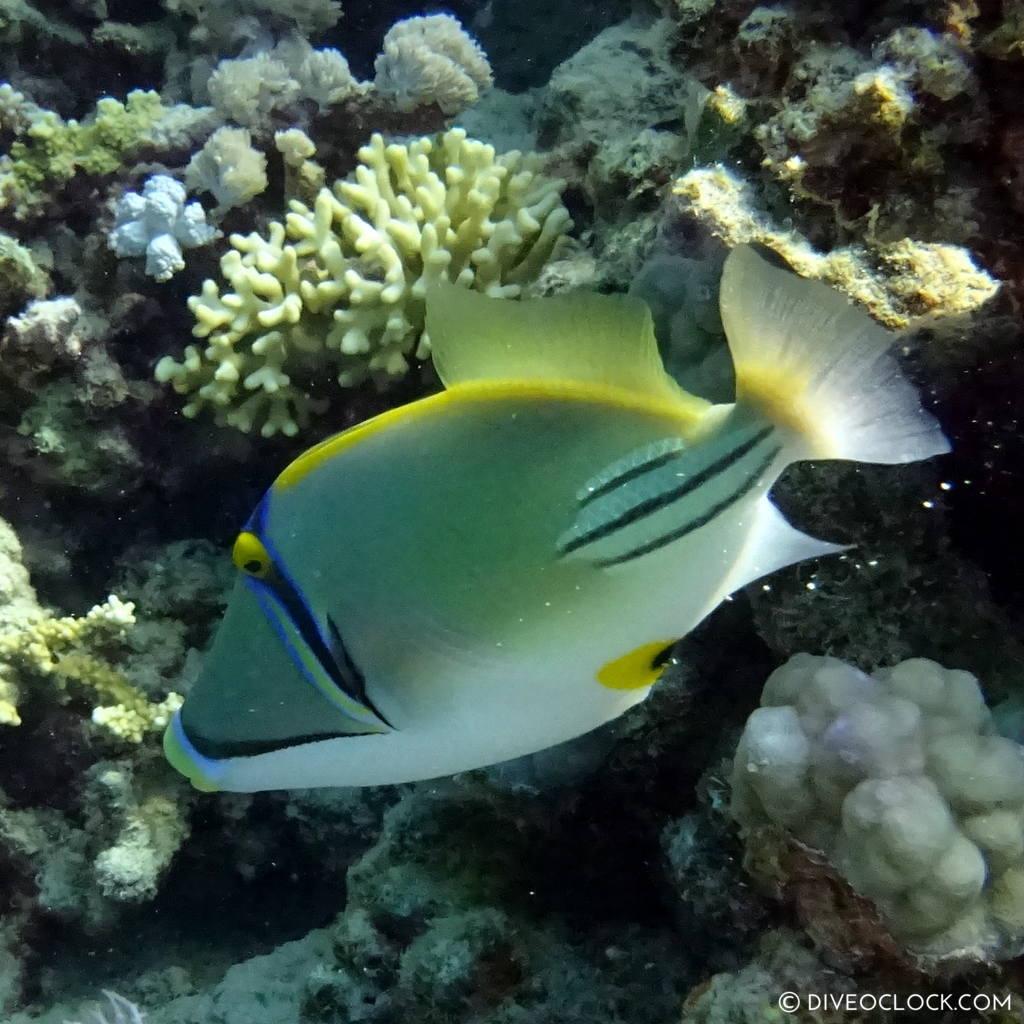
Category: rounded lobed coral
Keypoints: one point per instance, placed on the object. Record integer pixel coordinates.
(900, 779)
(431, 60)
(339, 287)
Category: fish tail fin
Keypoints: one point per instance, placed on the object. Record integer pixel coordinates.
(809, 360)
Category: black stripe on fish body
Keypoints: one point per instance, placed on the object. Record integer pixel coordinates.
(223, 749)
(343, 673)
(630, 474)
(659, 501)
(356, 688)
(694, 524)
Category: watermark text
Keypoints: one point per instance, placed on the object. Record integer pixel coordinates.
(892, 1002)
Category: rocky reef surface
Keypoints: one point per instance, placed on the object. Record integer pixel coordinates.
(681, 864)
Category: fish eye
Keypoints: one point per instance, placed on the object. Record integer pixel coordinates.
(250, 555)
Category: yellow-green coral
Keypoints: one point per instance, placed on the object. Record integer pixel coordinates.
(903, 284)
(339, 288)
(51, 150)
(66, 652)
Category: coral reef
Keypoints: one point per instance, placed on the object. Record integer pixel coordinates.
(877, 147)
(341, 285)
(900, 780)
(904, 284)
(610, 113)
(782, 963)
(122, 1011)
(52, 152)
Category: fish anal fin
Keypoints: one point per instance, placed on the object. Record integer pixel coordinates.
(772, 544)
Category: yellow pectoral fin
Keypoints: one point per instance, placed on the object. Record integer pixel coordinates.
(638, 668)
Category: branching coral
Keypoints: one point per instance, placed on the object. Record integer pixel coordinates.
(65, 652)
(68, 654)
(341, 285)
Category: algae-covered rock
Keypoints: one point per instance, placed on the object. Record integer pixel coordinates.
(21, 278)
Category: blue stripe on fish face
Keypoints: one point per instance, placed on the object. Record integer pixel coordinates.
(323, 660)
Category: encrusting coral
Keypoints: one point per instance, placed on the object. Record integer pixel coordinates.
(50, 151)
(901, 283)
(901, 780)
(341, 285)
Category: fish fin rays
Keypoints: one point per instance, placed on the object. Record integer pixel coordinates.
(580, 338)
(811, 360)
(772, 544)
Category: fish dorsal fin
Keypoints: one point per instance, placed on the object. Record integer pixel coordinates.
(580, 338)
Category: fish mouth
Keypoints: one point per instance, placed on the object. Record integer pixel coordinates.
(206, 773)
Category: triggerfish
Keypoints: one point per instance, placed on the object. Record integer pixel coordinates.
(504, 565)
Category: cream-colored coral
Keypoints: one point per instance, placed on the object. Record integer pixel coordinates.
(339, 287)
(303, 176)
(229, 168)
(250, 89)
(903, 284)
(431, 60)
(149, 822)
(67, 652)
(902, 781)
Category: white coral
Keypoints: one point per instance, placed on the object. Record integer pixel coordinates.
(431, 60)
(159, 224)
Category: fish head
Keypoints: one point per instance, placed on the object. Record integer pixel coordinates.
(273, 679)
